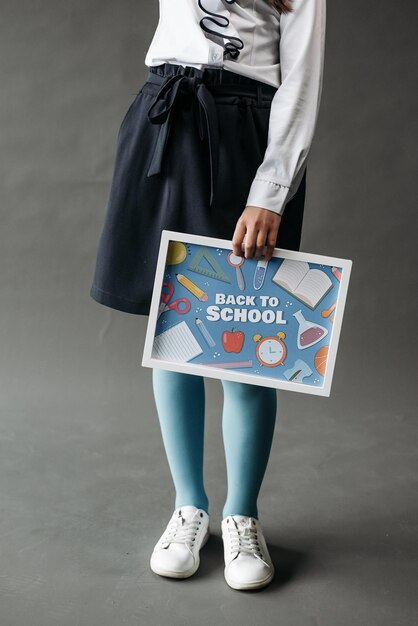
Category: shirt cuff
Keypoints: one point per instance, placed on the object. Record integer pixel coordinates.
(268, 195)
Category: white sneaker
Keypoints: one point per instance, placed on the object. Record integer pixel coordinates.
(176, 553)
(248, 564)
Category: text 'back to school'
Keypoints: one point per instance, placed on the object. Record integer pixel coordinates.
(226, 313)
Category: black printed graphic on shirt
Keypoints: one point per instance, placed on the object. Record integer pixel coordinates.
(231, 49)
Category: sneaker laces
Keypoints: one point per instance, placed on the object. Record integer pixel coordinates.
(244, 540)
(181, 530)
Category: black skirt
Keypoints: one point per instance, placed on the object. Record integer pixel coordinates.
(187, 152)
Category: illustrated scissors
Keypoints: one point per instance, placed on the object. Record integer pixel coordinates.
(165, 297)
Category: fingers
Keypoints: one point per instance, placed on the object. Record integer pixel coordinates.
(237, 239)
(259, 228)
(270, 243)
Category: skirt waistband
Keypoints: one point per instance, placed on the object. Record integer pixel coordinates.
(219, 80)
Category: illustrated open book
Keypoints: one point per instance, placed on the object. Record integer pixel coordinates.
(308, 285)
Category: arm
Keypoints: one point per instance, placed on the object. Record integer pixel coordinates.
(295, 106)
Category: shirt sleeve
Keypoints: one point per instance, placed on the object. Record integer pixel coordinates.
(295, 106)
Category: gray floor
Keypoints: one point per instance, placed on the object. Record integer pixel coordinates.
(86, 490)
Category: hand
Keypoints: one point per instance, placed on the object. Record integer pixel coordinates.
(259, 227)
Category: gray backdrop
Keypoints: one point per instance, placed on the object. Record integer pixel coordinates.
(85, 486)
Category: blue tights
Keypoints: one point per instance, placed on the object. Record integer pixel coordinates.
(248, 420)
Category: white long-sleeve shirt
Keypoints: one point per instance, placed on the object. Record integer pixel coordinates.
(284, 50)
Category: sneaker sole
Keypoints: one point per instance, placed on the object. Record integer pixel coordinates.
(254, 585)
(181, 574)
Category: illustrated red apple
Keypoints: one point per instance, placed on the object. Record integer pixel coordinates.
(232, 340)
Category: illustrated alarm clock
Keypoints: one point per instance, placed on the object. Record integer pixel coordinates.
(270, 351)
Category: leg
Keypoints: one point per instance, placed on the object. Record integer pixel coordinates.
(248, 420)
(180, 402)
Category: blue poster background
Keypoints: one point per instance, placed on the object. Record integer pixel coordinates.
(266, 346)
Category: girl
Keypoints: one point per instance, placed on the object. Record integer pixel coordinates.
(214, 143)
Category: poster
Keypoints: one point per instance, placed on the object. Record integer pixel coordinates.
(274, 323)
